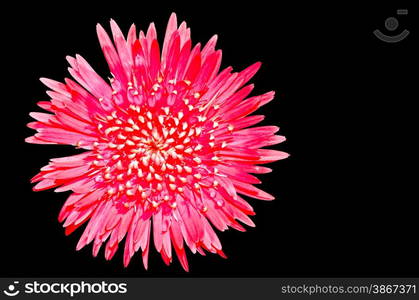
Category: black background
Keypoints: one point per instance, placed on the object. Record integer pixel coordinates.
(345, 199)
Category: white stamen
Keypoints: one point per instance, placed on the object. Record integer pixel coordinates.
(179, 168)
(188, 169)
(111, 129)
(188, 150)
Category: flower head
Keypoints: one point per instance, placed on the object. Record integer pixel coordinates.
(167, 145)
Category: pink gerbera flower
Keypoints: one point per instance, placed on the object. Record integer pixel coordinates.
(166, 146)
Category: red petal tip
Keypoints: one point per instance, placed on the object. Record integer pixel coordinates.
(30, 140)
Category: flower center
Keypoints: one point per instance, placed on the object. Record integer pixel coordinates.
(150, 154)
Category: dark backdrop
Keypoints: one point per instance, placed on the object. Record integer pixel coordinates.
(345, 199)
